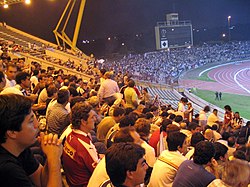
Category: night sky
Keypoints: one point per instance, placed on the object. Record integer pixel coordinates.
(108, 18)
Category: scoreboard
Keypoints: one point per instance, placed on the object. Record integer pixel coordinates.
(173, 34)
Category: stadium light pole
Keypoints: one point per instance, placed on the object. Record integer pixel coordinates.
(229, 25)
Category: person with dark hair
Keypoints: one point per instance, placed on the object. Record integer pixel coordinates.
(125, 164)
(142, 127)
(102, 73)
(146, 97)
(193, 172)
(181, 105)
(228, 116)
(72, 91)
(166, 166)
(18, 131)
(203, 117)
(23, 82)
(236, 123)
(108, 122)
(177, 120)
(159, 135)
(196, 138)
(225, 136)
(231, 145)
(2, 81)
(11, 71)
(238, 154)
(172, 116)
(220, 156)
(52, 94)
(125, 121)
(79, 154)
(57, 116)
(214, 119)
(124, 134)
(194, 127)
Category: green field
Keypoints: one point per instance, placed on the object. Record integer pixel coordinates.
(237, 102)
(205, 77)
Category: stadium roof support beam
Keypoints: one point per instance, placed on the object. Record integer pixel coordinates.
(10, 2)
(65, 16)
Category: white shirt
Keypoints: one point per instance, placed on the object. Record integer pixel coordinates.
(163, 174)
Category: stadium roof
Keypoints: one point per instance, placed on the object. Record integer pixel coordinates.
(10, 2)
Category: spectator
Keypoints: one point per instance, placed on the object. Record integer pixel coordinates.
(193, 172)
(166, 166)
(18, 131)
(235, 173)
(11, 75)
(79, 155)
(57, 115)
(125, 164)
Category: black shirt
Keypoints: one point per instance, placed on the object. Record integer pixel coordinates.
(15, 171)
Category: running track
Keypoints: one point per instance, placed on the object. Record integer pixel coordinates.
(232, 78)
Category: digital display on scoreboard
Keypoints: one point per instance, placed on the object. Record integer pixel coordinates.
(173, 36)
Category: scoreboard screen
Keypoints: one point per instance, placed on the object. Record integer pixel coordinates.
(173, 36)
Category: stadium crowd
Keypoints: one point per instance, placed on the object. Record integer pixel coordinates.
(165, 66)
(102, 132)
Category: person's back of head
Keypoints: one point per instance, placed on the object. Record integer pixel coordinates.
(172, 128)
(51, 90)
(196, 138)
(13, 110)
(125, 122)
(133, 117)
(149, 115)
(184, 100)
(103, 71)
(214, 127)
(75, 100)
(125, 134)
(239, 154)
(35, 72)
(206, 109)
(175, 141)
(118, 111)
(178, 119)
(228, 108)
(164, 114)
(209, 135)
(63, 96)
(142, 127)
(73, 91)
(236, 173)
(131, 83)
(203, 153)
(128, 110)
(164, 124)
(231, 141)
(192, 126)
(225, 135)
(172, 116)
(220, 151)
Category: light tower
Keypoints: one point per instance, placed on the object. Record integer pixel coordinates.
(66, 14)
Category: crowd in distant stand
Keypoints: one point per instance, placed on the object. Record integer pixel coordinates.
(109, 131)
(165, 66)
